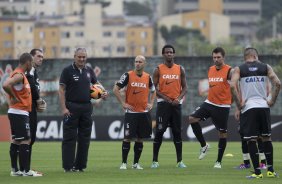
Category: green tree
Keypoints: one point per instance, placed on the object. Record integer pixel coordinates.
(136, 8)
(270, 9)
(182, 38)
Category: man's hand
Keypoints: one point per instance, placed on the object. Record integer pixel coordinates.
(41, 105)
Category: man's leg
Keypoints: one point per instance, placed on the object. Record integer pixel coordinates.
(125, 150)
(253, 149)
(199, 135)
(138, 148)
(83, 142)
(33, 128)
(69, 142)
(261, 154)
(221, 145)
(157, 144)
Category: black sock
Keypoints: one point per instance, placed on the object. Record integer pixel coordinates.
(156, 145)
(14, 148)
(30, 151)
(197, 129)
(221, 148)
(178, 148)
(125, 151)
(138, 147)
(24, 157)
(253, 149)
(245, 151)
(261, 151)
(268, 151)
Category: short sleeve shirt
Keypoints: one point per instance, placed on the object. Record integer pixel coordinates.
(77, 83)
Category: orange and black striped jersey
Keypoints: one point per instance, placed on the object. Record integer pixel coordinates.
(22, 92)
(219, 88)
(170, 80)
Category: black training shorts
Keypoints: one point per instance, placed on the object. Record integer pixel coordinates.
(219, 115)
(137, 125)
(255, 122)
(20, 129)
(168, 115)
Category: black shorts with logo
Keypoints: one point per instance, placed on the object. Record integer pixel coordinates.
(137, 125)
(255, 122)
(168, 115)
(20, 129)
(219, 115)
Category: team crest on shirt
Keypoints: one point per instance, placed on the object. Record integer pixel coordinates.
(88, 75)
(252, 69)
(160, 126)
(75, 77)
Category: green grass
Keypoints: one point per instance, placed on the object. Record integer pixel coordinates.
(105, 158)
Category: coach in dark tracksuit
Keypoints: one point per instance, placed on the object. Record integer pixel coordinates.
(76, 106)
(33, 80)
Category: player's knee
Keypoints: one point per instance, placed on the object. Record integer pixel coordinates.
(159, 136)
(265, 138)
(177, 138)
(222, 134)
(127, 140)
(192, 119)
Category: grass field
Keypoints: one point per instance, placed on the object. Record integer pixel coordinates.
(105, 158)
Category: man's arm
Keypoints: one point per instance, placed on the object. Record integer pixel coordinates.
(183, 84)
(8, 85)
(235, 88)
(121, 100)
(32, 79)
(152, 95)
(183, 87)
(230, 72)
(62, 97)
(276, 85)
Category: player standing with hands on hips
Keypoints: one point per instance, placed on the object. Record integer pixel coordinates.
(20, 102)
(249, 90)
(75, 99)
(139, 99)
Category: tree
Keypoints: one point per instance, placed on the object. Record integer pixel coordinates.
(182, 38)
(136, 8)
(270, 9)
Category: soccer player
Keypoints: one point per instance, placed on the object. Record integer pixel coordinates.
(216, 106)
(170, 82)
(139, 99)
(245, 151)
(20, 102)
(250, 81)
(38, 104)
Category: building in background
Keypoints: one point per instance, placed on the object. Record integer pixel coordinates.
(47, 37)
(243, 14)
(107, 32)
(139, 40)
(16, 37)
(58, 27)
